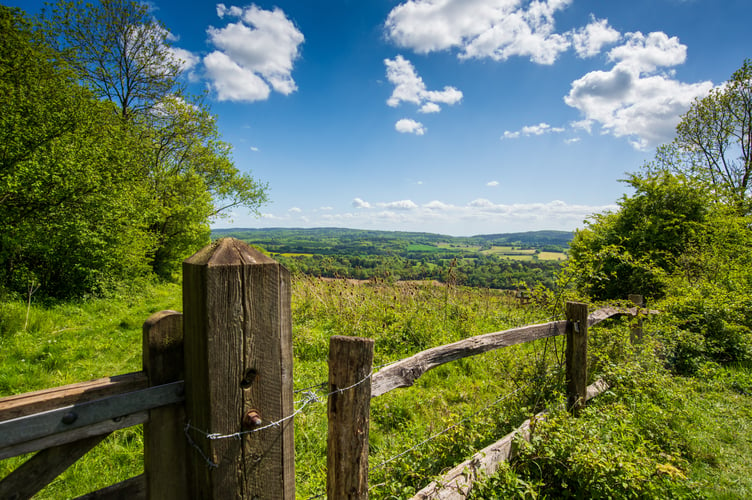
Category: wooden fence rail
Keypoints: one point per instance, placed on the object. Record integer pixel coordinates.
(405, 372)
(215, 393)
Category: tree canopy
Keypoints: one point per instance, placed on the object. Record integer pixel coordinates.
(714, 140)
(104, 176)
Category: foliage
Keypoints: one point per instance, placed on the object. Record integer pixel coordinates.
(479, 261)
(71, 201)
(684, 237)
(107, 171)
(713, 139)
(124, 55)
(634, 249)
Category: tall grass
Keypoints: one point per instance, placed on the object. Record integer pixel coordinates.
(652, 423)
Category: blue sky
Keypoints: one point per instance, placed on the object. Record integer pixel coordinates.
(451, 116)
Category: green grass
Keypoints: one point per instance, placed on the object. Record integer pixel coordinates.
(552, 256)
(671, 434)
(70, 342)
(417, 247)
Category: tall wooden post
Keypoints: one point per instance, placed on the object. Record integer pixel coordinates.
(164, 440)
(576, 355)
(238, 375)
(635, 333)
(349, 408)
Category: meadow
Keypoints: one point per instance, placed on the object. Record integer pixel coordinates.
(653, 435)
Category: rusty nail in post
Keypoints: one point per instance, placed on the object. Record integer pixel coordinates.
(251, 419)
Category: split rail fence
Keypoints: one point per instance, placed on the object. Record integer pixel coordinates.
(215, 395)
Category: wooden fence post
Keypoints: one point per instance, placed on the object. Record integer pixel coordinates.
(350, 365)
(635, 333)
(238, 374)
(164, 440)
(576, 355)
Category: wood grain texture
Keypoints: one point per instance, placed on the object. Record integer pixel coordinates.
(61, 438)
(48, 399)
(164, 440)
(576, 354)
(238, 336)
(43, 468)
(348, 411)
(130, 489)
(405, 372)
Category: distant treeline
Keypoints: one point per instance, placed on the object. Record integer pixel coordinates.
(392, 256)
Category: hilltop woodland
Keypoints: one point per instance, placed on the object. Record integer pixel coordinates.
(109, 178)
(109, 170)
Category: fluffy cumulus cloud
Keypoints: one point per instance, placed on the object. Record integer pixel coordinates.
(254, 54)
(637, 98)
(186, 59)
(408, 126)
(495, 29)
(589, 41)
(409, 87)
(359, 203)
(540, 129)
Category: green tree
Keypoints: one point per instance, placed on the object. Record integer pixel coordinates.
(635, 248)
(193, 179)
(124, 55)
(71, 196)
(714, 140)
(118, 50)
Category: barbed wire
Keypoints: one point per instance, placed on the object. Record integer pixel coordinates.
(309, 398)
(444, 431)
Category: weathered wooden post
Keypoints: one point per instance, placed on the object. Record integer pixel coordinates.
(164, 440)
(238, 374)
(349, 409)
(635, 333)
(576, 355)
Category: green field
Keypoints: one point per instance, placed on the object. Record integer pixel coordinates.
(503, 261)
(552, 256)
(671, 436)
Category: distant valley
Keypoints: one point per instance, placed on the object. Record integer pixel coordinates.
(508, 260)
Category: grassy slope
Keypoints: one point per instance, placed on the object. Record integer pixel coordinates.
(708, 419)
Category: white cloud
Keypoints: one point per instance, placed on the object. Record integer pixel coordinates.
(589, 41)
(232, 82)
(399, 205)
(408, 126)
(436, 205)
(528, 130)
(635, 99)
(253, 54)
(496, 29)
(254, 149)
(430, 107)
(586, 125)
(295, 210)
(409, 87)
(187, 59)
(222, 11)
(492, 183)
(479, 216)
(644, 54)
